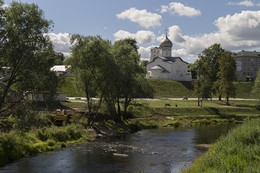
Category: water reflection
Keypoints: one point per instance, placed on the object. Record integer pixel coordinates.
(158, 150)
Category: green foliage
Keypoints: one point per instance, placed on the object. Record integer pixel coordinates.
(215, 71)
(111, 72)
(43, 134)
(51, 142)
(226, 74)
(237, 152)
(256, 90)
(24, 117)
(27, 51)
(89, 61)
(62, 134)
(15, 145)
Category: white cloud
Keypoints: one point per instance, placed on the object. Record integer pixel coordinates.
(142, 36)
(142, 17)
(4, 6)
(247, 3)
(180, 9)
(240, 26)
(145, 52)
(240, 31)
(61, 41)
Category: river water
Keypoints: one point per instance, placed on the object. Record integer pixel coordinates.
(165, 150)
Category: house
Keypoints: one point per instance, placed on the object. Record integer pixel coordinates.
(248, 64)
(61, 70)
(163, 66)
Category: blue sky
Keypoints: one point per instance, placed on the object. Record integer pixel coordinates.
(193, 25)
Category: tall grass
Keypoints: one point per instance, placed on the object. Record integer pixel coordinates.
(239, 151)
(15, 144)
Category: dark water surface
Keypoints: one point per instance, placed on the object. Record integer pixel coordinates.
(151, 151)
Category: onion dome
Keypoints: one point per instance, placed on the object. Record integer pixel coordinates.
(166, 43)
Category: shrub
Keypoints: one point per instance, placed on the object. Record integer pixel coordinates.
(24, 117)
(43, 134)
(51, 142)
(63, 145)
(74, 132)
(60, 135)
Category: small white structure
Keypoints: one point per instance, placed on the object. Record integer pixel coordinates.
(39, 97)
(163, 66)
(61, 70)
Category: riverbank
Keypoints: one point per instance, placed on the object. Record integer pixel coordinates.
(238, 151)
(146, 114)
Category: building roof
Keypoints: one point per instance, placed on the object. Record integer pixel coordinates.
(246, 53)
(158, 67)
(59, 68)
(166, 43)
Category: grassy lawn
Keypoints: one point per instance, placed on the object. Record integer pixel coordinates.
(164, 89)
(186, 109)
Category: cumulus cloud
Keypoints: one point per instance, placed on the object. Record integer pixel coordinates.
(142, 36)
(180, 9)
(145, 52)
(61, 41)
(142, 17)
(244, 25)
(235, 32)
(4, 6)
(247, 3)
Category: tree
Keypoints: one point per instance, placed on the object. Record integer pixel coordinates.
(215, 71)
(23, 41)
(87, 62)
(256, 90)
(226, 75)
(124, 78)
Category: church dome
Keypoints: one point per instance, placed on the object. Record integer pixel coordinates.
(166, 43)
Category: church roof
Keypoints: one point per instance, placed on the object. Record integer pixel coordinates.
(166, 43)
(158, 67)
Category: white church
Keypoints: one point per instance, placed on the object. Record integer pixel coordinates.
(163, 66)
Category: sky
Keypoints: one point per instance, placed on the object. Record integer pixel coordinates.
(192, 25)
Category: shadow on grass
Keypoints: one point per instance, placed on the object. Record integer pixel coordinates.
(188, 85)
(213, 111)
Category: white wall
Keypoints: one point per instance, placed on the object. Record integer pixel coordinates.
(178, 70)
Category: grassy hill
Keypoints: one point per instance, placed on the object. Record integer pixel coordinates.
(175, 89)
(165, 89)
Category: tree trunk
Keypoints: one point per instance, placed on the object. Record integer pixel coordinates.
(227, 103)
(219, 97)
(198, 101)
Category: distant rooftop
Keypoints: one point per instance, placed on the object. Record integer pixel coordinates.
(59, 68)
(246, 53)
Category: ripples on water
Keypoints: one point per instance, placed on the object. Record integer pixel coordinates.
(153, 151)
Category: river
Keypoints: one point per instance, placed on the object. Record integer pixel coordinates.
(164, 150)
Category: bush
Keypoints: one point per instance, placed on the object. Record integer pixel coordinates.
(24, 117)
(60, 135)
(51, 142)
(63, 145)
(43, 134)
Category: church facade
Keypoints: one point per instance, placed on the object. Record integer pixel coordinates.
(163, 66)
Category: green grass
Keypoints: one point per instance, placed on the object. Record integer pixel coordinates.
(70, 88)
(165, 89)
(243, 89)
(171, 89)
(239, 151)
(15, 145)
